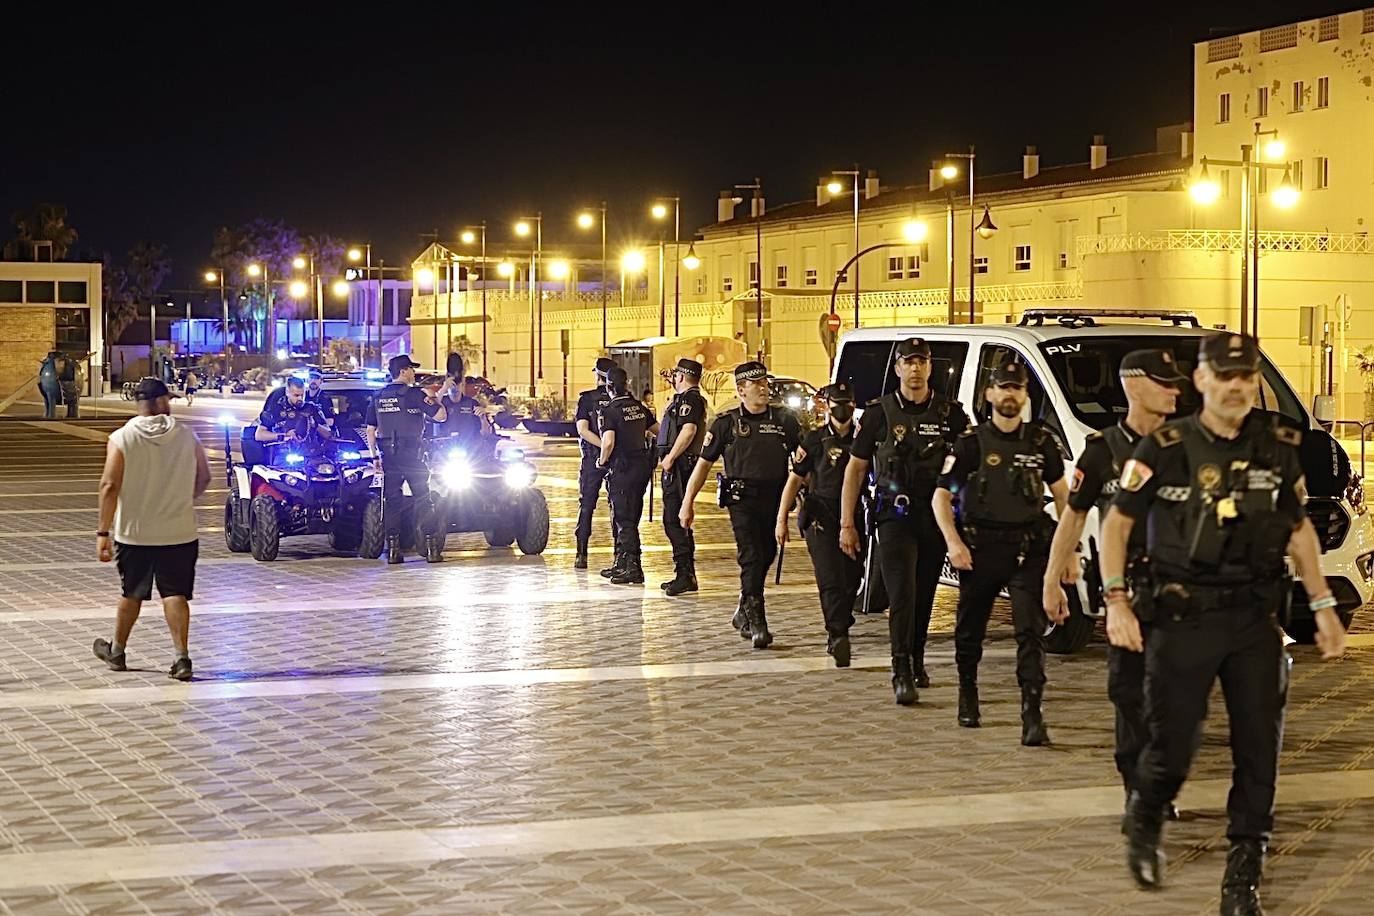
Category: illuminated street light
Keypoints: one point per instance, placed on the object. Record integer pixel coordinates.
(915, 230)
(1274, 150)
(949, 171)
(468, 237)
(659, 211)
(522, 228)
(299, 289)
(559, 270)
(211, 277)
(340, 288)
(298, 262)
(355, 254)
(632, 262)
(691, 261)
(1205, 191)
(834, 187)
(1285, 196)
(254, 270)
(585, 221)
(505, 269)
(424, 276)
(986, 228)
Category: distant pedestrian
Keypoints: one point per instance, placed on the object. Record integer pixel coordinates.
(67, 380)
(192, 386)
(155, 468)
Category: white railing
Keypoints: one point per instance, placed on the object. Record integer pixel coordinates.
(933, 296)
(1224, 240)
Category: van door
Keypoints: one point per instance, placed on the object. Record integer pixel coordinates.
(1040, 406)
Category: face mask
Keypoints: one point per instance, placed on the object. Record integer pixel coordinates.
(842, 413)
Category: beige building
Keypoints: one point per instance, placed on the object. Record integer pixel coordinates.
(46, 305)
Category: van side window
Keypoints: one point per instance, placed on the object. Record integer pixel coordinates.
(867, 366)
(992, 356)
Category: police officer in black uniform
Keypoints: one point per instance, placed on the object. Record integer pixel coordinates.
(311, 392)
(679, 446)
(315, 394)
(756, 439)
(287, 415)
(998, 473)
(904, 438)
(396, 422)
(1221, 494)
(819, 464)
(626, 425)
(1151, 381)
(590, 403)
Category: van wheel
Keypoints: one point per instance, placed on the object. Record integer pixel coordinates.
(1073, 634)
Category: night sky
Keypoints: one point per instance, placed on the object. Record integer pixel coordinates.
(382, 130)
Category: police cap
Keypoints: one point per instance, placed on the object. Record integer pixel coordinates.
(749, 371)
(1228, 352)
(913, 346)
(400, 364)
(605, 364)
(617, 377)
(838, 393)
(689, 367)
(1010, 372)
(1156, 365)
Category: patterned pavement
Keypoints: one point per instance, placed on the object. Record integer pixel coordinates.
(503, 734)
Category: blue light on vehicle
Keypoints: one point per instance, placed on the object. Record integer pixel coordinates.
(294, 458)
(350, 456)
(301, 373)
(227, 419)
(376, 374)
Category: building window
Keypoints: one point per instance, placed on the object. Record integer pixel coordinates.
(1321, 177)
(71, 292)
(1023, 258)
(40, 291)
(727, 284)
(701, 285)
(781, 270)
(913, 267)
(1068, 239)
(812, 277)
(73, 330)
(1324, 92)
(1297, 95)
(902, 267)
(1295, 173)
(11, 290)
(753, 274)
(1224, 108)
(1262, 102)
(1329, 29)
(980, 264)
(1224, 181)
(894, 268)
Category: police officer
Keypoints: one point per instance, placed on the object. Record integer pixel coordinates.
(590, 403)
(679, 446)
(625, 426)
(998, 473)
(1221, 495)
(819, 463)
(287, 415)
(315, 394)
(756, 439)
(1150, 380)
(904, 438)
(396, 422)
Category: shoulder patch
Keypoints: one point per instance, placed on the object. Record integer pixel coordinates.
(971, 431)
(1094, 437)
(1287, 435)
(1167, 435)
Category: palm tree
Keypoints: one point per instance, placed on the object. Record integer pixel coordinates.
(44, 223)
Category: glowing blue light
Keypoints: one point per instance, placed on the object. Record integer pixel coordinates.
(301, 373)
(350, 456)
(294, 458)
(227, 419)
(376, 374)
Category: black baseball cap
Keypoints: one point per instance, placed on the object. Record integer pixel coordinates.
(838, 393)
(150, 389)
(690, 367)
(1156, 365)
(913, 346)
(400, 364)
(604, 364)
(1010, 372)
(617, 377)
(1228, 352)
(750, 370)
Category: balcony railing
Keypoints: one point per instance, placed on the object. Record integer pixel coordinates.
(1224, 240)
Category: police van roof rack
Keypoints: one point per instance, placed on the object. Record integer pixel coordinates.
(1086, 318)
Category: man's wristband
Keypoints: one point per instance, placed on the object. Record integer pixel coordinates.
(105, 534)
(1321, 604)
(1113, 583)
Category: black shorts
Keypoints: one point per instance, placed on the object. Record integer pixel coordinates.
(173, 568)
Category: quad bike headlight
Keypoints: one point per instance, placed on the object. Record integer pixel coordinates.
(324, 469)
(519, 475)
(456, 474)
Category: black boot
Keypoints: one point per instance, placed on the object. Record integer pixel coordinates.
(580, 562)
(616, 568)
(838, 647)
(903, 685)
(1143, 855)
(434, 552)
(741, 620)
(970, 716)
(1240, 885)
(918, 670)
(393, 549)
(685, 580)
(758, 622)
(630, 574)
(1033, 733)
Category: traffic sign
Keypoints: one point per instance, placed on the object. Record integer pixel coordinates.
(832, 322)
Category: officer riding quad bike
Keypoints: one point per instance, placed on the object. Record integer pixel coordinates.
(485, 484)
(308, 486)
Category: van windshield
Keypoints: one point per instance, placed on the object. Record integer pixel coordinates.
(1086, 370)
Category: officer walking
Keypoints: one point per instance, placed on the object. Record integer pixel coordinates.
(819, 463)
(1151, 380)
(396, 422)
(626, 425)
(905, 438)
(590, 403)
(998, 472)
(679, 446)
(1221, 495)
(756, 439)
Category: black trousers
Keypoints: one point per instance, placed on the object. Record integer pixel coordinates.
(837, 577)
(1126, 690)
(911, 552)
(1183, 659)
(589, 480)
(995, 567)
(674, 489)
(625, 490)
(754, 521)
(403, 463)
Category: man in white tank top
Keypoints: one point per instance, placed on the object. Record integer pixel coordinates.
(154, 470)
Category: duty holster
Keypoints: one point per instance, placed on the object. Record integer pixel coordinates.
(730, 491)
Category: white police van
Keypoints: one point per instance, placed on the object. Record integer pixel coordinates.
(1073, 356)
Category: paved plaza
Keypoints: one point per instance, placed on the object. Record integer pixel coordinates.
(502, 733)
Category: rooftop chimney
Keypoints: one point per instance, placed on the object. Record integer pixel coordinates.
(756, 206)
(1097, 153)
(725, 207)
(822, 193)
(871, 185)
(1030, 163)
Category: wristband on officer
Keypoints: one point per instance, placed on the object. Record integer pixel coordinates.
(1114, 583)
(1321, 604)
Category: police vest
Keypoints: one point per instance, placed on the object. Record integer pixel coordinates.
(462, 420)
(758, 446)
(827, 468)
(396, 419)
(1007, 488)
(673, 421)
(1121, 447)
(603, 398)
(632, 424)
(908, 461)
(1224, 526)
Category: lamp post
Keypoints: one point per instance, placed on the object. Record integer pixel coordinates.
(835, 188)
(522, 229)
(1206, 191)
(270, 338)
(585, 220)
(217, 276)
(356, 254)
(983, 229)
(913, 230)
(757, 188)
(660, 212)
(468, 237)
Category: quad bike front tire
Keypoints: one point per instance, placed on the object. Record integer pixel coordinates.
(374, 534)
(265, 538)
(236, 537)
(533, 534)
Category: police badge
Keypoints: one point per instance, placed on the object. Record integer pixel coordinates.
(834, 454)
(898, 433)
(1209, 476)
(994, 459)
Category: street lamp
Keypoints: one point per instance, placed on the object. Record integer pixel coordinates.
(523, 229)
(424, 277)
(660, 212)
(559, 270)
(631, 263)
(299, 289)
(298, 262)
(217, 276)
(914, 230)
(270, 338)
(340, 288)
(470, 235)
(984, 229)
(834, 187)
(757, 188)
(690, 260)
(585, 221)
